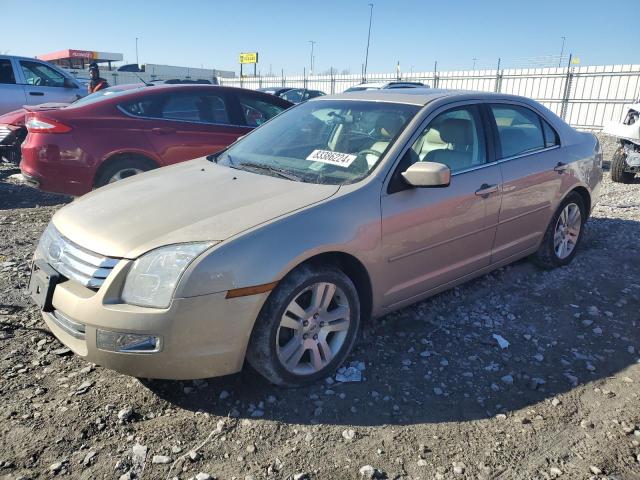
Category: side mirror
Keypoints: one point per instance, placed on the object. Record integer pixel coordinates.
(427, 174)
(68, 83)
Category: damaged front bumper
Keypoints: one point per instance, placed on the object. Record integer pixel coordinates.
(11, 137)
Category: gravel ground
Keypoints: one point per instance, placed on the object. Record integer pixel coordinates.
(438, 397)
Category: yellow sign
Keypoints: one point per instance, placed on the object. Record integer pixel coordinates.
(251, 57)
(575, 61)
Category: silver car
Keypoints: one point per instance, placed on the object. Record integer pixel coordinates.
(339, 210)
(28, 81)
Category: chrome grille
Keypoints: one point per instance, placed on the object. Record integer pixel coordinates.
(73, 261)
(4, 131)
(88, 268)
(73, 328)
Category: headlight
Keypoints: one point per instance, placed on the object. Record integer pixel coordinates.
(154, 276)
(50, 246)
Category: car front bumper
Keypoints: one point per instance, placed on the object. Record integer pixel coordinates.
(199, 337)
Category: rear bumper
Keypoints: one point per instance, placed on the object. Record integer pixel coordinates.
(30, 179)
(59, 167)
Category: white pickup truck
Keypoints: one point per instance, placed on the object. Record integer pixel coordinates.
(28, 81)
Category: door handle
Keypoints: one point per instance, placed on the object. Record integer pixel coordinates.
(163, 130)
(485, 190)
(561, 167)
(37, 94)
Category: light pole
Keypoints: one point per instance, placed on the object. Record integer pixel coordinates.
(366, 57)
(561, 51)
(312, 42)
(137, 62)
(474, 63)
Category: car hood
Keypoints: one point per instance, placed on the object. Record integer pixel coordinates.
(189, 202)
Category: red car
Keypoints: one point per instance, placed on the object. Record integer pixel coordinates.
(102, 139)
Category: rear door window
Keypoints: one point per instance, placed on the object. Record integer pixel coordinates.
(6, 71)
(147, 107)
(256, 111)
(294, 96)
(198, 107)
(519, 128)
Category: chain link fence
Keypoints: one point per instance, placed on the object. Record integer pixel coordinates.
(586, 97)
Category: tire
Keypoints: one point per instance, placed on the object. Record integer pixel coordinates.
(124, 166)
(279, 334)
(549, 255)
(618, 165)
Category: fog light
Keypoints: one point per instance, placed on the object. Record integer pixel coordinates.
(127, 342)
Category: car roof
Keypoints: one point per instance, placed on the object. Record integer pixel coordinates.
(371, 85)
(163, 87)
(415, 96)
(131, 91)
(384, 84)
(18, 57)
(306, 89)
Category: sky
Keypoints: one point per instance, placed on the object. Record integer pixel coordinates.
(195, 33)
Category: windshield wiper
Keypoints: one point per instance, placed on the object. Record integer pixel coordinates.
(215, 157)
(277, 171)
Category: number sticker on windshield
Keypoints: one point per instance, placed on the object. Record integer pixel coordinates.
(333, 158)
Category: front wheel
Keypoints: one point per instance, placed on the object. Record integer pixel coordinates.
(306, 328)
(563, 234)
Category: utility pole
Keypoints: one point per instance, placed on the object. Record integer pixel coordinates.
(366, 57)
(312, 42)
(137, 62)
(474, 63)
(562, 51)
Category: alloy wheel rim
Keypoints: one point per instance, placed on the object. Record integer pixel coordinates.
(313, 328)
(567, 231)
(124, 173)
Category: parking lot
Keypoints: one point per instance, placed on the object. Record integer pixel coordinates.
(440, 394)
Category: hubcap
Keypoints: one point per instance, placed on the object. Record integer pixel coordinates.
(125, 173)
(313, 328)
(567, 231)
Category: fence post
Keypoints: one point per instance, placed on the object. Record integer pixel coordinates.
(333, 82)
(498, 85)
(435, 75)
(567, 91)
(283, 80)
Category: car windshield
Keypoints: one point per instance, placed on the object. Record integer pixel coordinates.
(294, 96)
(323, 141)
(101, 95)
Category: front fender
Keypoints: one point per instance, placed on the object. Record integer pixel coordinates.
(347, 223)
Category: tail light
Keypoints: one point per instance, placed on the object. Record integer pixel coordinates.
(37, 124)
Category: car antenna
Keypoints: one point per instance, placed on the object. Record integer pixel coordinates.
(145, 83)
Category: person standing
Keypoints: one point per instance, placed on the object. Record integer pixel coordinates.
(96, 83)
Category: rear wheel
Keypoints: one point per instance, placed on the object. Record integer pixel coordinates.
(563, 234)
(618, 165)
(121, 168)
(307, 327)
